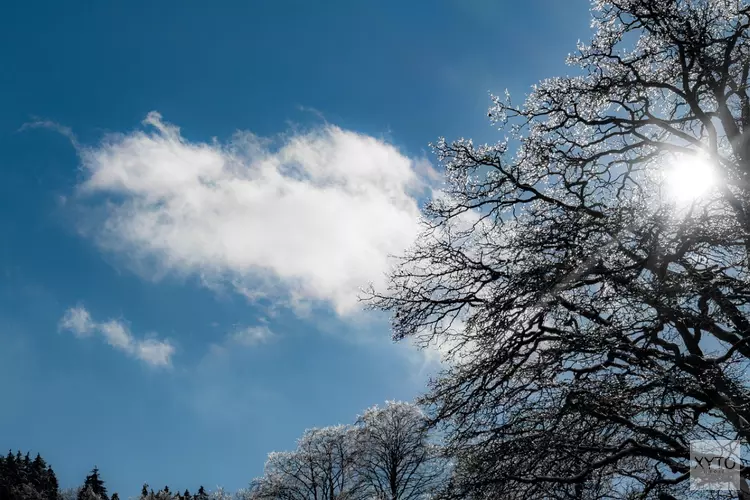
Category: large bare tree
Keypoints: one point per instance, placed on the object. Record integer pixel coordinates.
(589, 275)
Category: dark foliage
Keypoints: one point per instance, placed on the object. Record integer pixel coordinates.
(22, 478)
(93, 485)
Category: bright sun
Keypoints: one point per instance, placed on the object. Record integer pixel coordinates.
(689, 177)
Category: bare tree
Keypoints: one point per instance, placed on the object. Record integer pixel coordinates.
(69, 493)
(396, 459)
(321, 468)
(87, 493)
(589, 275)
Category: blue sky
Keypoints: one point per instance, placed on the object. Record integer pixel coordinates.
(174, 304)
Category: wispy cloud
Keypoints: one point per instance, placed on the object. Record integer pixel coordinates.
(52, 125)
(310, 218)
(242, 336)
(251, 335)
(151, 351)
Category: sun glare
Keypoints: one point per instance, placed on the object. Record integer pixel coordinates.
(689, 177)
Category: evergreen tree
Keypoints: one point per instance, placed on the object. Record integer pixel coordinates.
(115, 496)
(163, 494)
(25, 469)
(144, 491)
(202, 495)
(38, 473)
(19, 472)
(24, 479)
(95, 484)
(187, 495)
(51, 486)
(10, 467)
(7, 471)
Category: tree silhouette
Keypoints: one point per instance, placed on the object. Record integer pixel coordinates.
(593, 304)
(21, 478)
(50, 485)
(93, 485)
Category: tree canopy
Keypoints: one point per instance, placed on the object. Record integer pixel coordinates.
(588, 274)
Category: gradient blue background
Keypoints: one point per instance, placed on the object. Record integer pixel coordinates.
(409, 71)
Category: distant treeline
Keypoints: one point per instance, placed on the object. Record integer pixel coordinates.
(24, 478)
(388, 452)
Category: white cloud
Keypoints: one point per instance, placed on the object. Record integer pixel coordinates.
(116, 335)
(77, 320)
(151, 351)
(154, 352)
(314, 218)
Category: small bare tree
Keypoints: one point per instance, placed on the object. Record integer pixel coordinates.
(321, 468)
(69, 493)
(396, 459)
